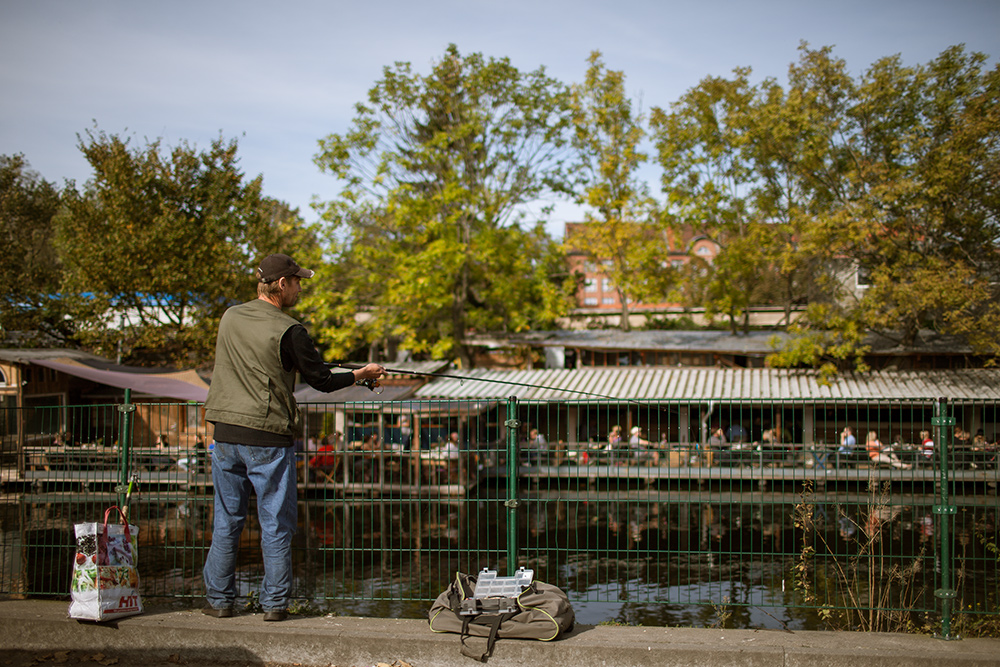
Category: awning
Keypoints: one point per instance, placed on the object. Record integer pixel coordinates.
(180, 385)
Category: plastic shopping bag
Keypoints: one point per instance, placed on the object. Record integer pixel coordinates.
(105, 582)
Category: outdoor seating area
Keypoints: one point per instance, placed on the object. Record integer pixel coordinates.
(95, 457)
(755, 455)
(368, 464)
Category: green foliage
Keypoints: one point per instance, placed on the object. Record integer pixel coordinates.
(723, 612)
(915, 207)
(157, 245)
(625, 235)
(436, 170)
(891, 174)
(703, 145)
(30, 307)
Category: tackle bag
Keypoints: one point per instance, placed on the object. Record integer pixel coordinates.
(105, 583)
(539, 611)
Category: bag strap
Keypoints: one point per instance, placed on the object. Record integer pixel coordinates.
(492, 620)
(464, 587)
(121, 515)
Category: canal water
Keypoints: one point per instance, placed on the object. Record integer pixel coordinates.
(682, 558)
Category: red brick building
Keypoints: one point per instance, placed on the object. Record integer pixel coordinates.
(597, 291)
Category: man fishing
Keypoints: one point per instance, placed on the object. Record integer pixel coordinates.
(259, 349)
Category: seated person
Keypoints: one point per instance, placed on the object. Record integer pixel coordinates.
(737, 435)
(325, 457)
(447, 453)
(879, 454)
(611, 451)
(847, 441)
(771, 437)
(926, 445)
(640, 449)
(537, 448)
(717, 448)
(979, 441)
(717, 440)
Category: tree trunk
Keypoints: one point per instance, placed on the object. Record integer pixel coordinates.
(625, 325)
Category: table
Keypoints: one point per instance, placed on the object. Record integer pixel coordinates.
(95, 458)
(820, 456)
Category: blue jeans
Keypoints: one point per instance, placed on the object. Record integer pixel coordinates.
(271, 473)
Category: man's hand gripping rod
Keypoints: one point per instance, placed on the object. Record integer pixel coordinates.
(372, 383)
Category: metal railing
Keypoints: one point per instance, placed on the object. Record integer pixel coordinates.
(770, 521)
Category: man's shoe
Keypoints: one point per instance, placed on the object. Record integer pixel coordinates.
(276, 615)
(224, 612)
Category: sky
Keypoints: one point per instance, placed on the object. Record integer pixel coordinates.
(279, 76)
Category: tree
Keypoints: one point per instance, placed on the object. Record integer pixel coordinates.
(908, 180)
(892, 175)
(625, 234)
(30, 306)
(708, 178)
(436, 172)
(158, 244)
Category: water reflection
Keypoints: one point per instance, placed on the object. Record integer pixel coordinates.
(683, 558)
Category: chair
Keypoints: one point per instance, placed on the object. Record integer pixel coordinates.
(324, 465)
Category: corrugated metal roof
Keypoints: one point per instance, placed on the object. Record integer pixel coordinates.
(756, 342)
(704, 340)
(683, 384)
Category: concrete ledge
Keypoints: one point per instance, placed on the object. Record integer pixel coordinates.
(189, 637)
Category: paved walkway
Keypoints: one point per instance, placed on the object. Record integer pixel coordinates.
(38, 632)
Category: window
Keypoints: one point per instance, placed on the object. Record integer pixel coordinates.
(863, 277)
(8, 423)
(590, 285)
(608, 300)
(590, 301)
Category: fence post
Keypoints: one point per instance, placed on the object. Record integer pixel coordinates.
(944, 511)
(125, 450)
(513, 455)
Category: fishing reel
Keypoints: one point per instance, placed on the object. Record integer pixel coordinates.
(372, 384)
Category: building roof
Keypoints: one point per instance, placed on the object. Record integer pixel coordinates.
(179, 385)
(705, 384)
(755, 342)
(703, 340)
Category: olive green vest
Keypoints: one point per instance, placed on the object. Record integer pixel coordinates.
(249, 387)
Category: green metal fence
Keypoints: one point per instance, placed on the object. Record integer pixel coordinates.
(764, 524)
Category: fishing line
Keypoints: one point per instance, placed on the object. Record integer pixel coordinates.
(373, 384)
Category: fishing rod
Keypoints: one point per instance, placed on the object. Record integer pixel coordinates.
(376, 386)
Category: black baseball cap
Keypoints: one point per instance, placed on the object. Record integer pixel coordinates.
(277, 266)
